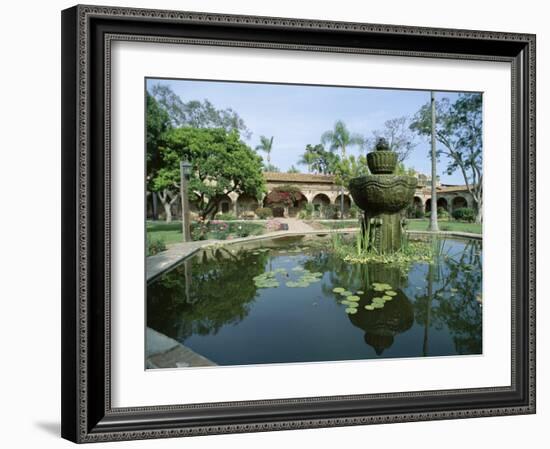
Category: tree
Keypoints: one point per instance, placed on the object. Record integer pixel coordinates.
(158, 123)
(399, 136)
(270, 168)
(221, 162)
(348, 168)
(293, 169)
(401, 169)
(318, 160)
(266, 145)
(340, 139)
(459, 133)
(197, 114)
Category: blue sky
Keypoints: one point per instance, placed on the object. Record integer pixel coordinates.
(298, 115)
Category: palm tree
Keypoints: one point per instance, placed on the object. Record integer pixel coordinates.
(339, 139)
(308, 158)
(266, 145)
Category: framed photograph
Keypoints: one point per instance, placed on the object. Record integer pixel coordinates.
(274, 223)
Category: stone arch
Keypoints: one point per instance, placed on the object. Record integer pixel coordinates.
(442, 202)
(246, 204)
(279, 204)
(459, 202)
(347, 203)
(225, 205)
(298, 205)
(428, 205)
(321, 203)
(417, 203)
(321, 198)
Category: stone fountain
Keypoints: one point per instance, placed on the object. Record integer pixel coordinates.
(383, 196)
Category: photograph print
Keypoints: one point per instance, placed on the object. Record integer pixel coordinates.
(290, 223)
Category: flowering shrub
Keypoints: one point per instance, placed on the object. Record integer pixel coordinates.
(285, 195)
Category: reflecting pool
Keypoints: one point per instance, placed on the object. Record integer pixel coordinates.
(292, 300)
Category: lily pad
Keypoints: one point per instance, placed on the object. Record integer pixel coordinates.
(267, 284)
(338, 290)
(360, 292)
(298, 268)
(345, 293)
(312, 280)
(369, 307)
(391, 293)
(353, 298)
(378, 305)
(351, 310)
(387, 298)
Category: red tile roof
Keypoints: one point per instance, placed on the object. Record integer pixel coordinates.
(298, 177)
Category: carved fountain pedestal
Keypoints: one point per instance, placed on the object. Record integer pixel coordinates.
(382, 196)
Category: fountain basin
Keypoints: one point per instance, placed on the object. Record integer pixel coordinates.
(377, 194)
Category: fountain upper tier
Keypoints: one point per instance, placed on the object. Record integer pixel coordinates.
(382, 191)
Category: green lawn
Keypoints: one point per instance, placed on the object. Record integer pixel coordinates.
(168, 232)
(171, 232)
(458, 226)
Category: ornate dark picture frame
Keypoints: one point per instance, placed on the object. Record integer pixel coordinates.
(87, 34)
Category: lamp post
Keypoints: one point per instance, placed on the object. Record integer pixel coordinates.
(185, 172)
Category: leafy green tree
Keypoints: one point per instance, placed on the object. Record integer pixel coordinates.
(348, 168)
(293, 169)
(197, 114)
(266, 145)
(221, 164)
(318, 160)
(158, 123)
(458, 131)
(399, 136)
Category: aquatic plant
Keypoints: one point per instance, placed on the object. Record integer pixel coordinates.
(356, 253)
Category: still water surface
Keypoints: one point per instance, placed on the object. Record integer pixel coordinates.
(218, 304)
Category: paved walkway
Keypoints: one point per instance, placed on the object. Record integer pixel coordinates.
(165, 352)
(163, 261)
(296, 225)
